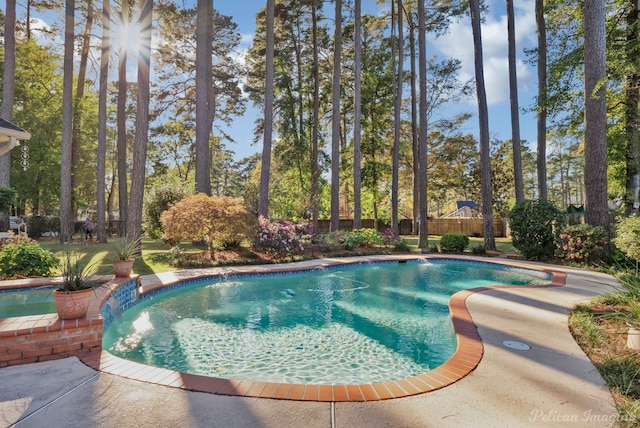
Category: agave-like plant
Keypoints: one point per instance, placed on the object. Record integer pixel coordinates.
(125, 249)
(76, 274)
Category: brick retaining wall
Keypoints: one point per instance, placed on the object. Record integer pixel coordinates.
(35, 338)
(47, 338)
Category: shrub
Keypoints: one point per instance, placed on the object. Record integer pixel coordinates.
(478, 249)
(365, 238)
(401, 245)
(628, 236)
(158, 200)
(37, 225)
(390, 239)
(281, 237)
(202, 217)
(330, 239)
(532, 223)
(26, 259)
(454, 242)
(580, 243)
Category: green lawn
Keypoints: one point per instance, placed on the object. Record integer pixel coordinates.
(155, 255)
(503, 245)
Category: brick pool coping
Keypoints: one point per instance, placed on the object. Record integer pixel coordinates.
(465, 359)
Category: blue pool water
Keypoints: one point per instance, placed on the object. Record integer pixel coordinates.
(21, 302)
(348, 325)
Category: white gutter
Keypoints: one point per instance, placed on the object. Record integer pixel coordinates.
(11, 138)
(6, 134)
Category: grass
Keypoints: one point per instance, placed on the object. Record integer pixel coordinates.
(155, 255)
(503, 245)
(603, 339)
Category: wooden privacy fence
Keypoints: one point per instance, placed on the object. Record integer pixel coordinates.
(437, 226)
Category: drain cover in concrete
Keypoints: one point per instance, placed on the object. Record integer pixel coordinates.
(519, 346)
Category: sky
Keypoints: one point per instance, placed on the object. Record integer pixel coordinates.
(458, 43)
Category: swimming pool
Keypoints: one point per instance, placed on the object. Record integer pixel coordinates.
(345, 325)
(20, 302)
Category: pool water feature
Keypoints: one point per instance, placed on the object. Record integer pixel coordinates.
(345, 325)
(20, 302)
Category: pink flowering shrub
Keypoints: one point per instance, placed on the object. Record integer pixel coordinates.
(390, 239)
(281, 237)
(580, 243)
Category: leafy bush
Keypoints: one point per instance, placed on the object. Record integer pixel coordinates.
(37, 225)
(158, 200)
(532, 223)
(401, 245)
(628, 236)
(202, 217)
(365, 238)
(281, 237)
(454, 242)
(26, 259)
(330, 239)
(581, 243)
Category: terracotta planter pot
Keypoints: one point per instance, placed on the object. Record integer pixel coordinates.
(72, 304)
(122, 268)
(633, 338)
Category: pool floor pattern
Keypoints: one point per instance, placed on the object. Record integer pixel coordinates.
(465, 359)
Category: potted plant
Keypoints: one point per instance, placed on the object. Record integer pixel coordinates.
(72, 295)
(125, 252)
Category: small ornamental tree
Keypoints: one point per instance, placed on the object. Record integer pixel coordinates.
(532, 228)
(221, 219)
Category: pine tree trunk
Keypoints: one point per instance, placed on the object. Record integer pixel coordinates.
(423, 233)
(8, 94)
(66, 218)
(335, 120)
(102, 122)
(134, 220)
(414, 130)
(263, 203)
(357, 119)
(483, 118)
(397, 123)
(632, 98)
(315, 167)
(515, 114)
(203, 86)
(121, 118)
(79, 96)
(542, 101)
(596, 209)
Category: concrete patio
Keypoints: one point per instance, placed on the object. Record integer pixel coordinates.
(552, 383)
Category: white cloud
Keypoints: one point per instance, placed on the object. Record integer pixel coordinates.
(458, 43)
(246, 39)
